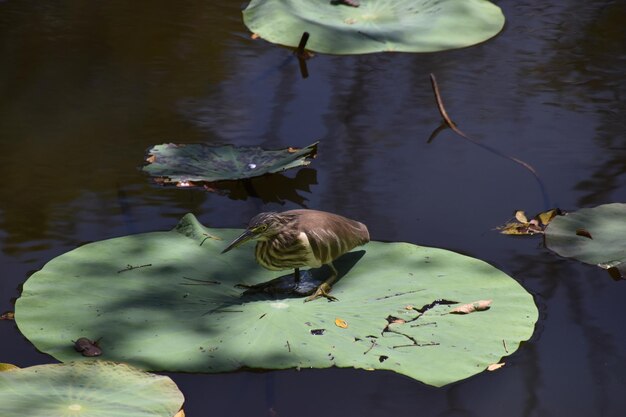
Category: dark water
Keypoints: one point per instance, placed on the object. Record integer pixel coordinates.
(86, 87)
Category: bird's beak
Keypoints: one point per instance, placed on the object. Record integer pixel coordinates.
(243, 238)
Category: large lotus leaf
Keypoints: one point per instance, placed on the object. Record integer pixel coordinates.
(198, 162)
(375, 26)
(87, 389)
(166, 301)
(592, 235)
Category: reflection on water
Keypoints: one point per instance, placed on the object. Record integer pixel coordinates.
(87, 87)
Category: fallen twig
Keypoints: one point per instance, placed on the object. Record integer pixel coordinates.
(303, 40)
(303, 55)
(371, 347)
(448, 122)
(199, 281)
(131, 267)
(442, 109)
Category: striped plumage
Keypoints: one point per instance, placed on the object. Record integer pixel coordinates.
(299, 238)
(306, 238)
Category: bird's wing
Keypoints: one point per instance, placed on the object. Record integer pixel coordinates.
(331, 235)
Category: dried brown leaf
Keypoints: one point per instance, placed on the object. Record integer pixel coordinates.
(520, 216)
(520, 229)
(547, 216)
(618, 273)
(7, 315)
(7, 367)
(495, 366)
(523, 226)
(479, 305)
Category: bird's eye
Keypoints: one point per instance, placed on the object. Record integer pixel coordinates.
(263, 227)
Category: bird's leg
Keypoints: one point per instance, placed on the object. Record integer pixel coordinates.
(325, 287)
(296, 275)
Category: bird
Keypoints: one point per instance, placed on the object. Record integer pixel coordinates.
(303, 237)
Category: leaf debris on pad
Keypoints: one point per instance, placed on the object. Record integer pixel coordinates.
(87, 347)
(480, 305)
(341, 323)
(495, 366)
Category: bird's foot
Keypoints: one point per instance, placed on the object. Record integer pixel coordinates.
(322, 291)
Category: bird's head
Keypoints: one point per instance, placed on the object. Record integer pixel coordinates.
(262, 226)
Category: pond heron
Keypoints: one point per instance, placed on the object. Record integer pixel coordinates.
(299, 238)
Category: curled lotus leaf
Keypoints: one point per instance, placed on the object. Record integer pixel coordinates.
(197, 163)
(167, 301)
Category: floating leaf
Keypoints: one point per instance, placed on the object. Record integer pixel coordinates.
(546, 217)
(87, 389)
(480, 305)
(184, 313)
(520, 216)
(195, 164)
(592, 235)
(7, 315)
(375, 26)
(523, 226)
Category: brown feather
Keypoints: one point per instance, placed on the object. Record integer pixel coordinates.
(330, 235)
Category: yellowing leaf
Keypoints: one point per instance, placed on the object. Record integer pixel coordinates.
(546, 216)
(341, 323)
(8, 315)
(523, 226)
(7, 367)
(479, 305)
(520, 216)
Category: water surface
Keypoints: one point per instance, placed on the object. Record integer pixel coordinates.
(87, 87)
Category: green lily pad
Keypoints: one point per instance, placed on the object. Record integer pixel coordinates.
(167, 301)
(592, 235)
(192, 164)
(87, 389)
(375, 26)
